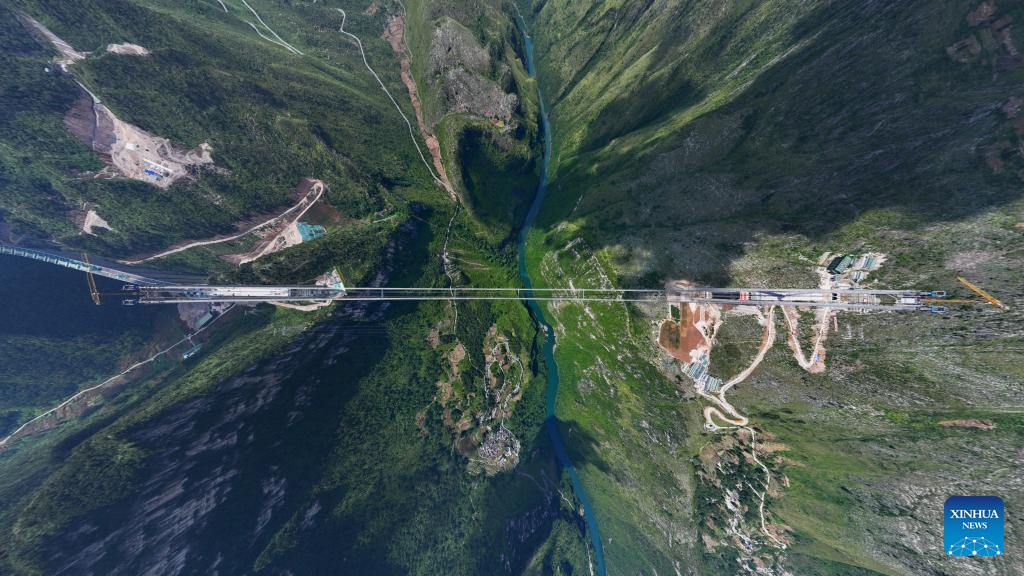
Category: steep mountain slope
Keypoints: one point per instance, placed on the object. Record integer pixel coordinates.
(735, 143)
(726, 143)
(208, 78)
(358, 438)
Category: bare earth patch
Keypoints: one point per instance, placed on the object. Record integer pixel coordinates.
(68, 55)
(127, 49)
(93, 220)
(970, 423)
(681, 339)
(276, 233)
(394, 34)
(139, 155)
(283, 232)
(968, 260)
(87, 219)
(132, 151)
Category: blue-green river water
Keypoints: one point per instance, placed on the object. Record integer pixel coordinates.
(538, 313)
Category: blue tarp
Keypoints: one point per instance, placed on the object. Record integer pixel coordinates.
(310, 231)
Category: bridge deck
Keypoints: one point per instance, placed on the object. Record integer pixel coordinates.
(152, 291)
(840, 299)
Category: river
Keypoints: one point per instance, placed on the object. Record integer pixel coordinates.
(551, 423)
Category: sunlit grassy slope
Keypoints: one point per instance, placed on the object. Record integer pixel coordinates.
(733, 143)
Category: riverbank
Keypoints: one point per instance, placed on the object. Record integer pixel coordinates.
(551, 423)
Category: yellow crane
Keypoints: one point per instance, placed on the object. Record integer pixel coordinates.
(990, 298)
(93, 290)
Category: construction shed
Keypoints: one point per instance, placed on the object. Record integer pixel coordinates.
(840, 264)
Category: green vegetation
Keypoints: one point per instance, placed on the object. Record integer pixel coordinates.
(320, 438)
(726, 144)
(271, 118)
(50, 321)
(499, 182)
(734, 145)
(490, 160)
(624, 423)
(104, 469)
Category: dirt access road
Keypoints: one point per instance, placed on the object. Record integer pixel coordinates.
(395, 38)
(278, 223)
(66, 409)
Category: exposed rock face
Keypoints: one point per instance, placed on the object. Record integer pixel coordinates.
(462, 66)
(217, 485)
(453, 46)
(195, 475)
(394, 34)
(982, 13)
(467, 93)
(965, 50)
(981, 424)
(195, 314)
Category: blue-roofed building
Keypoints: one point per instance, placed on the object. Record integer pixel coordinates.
(310, 231)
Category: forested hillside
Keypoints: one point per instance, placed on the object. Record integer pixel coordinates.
(360, 438)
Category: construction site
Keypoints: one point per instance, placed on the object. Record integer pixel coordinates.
(128, 150)
(689, 333)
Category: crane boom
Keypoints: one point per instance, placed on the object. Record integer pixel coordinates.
(990, 298)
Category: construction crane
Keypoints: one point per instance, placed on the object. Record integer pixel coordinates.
(93, 290)
(990, 298)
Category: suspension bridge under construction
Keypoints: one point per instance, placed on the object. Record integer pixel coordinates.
(141, 289)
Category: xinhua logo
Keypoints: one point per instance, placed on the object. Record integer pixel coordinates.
(974, 526)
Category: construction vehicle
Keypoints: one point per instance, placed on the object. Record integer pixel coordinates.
(94, 292)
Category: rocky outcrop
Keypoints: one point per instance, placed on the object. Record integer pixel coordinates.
(464, 69)
(453, 46)
(467, 93)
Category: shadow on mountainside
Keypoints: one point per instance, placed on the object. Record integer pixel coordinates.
(870, 113)
(581, 446)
